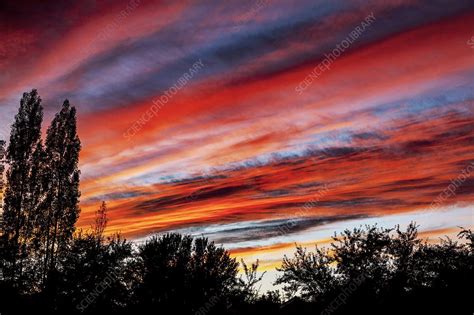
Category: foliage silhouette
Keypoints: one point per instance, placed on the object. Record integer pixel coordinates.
(369, 269)
(62, 190)
(19, 202)
(49, 267)
(181, 273)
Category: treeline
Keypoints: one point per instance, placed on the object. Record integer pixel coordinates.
(47, 266)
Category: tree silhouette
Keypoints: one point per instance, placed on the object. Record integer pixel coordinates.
(369, 269)
(92, 276)
(249, 280)
(62, 195)
(18, 217)
(179, 273)
(310, 275)
(100, 221)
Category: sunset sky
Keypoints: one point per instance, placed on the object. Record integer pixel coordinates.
(237, 149)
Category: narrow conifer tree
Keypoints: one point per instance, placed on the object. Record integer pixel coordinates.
(25, 138)
(62, 149)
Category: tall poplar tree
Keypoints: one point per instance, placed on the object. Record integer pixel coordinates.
(25, 138)
(38, 212)
(62, 149)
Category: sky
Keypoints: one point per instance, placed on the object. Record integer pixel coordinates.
(259, 124)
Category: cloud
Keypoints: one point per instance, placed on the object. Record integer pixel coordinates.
(386, 129)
